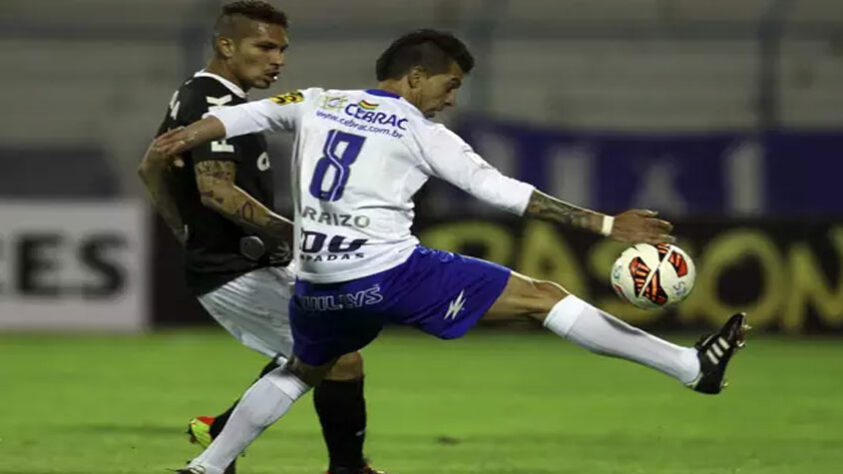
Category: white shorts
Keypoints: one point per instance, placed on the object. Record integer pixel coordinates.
(254, 309)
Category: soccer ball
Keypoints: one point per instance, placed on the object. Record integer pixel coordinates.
(653, 276)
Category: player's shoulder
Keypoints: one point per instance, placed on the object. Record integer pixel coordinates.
(200, 93)
(296, 96)
(203, 90)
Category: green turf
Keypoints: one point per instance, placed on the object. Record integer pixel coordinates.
(489, 403)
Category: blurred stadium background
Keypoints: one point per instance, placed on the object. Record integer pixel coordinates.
(727, 116)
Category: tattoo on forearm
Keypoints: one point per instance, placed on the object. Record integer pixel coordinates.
(247, 212)
(546, 207)
(215, 180)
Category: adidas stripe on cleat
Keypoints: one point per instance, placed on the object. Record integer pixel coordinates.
(714, 351)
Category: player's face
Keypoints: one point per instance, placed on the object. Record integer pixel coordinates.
(259, 56)
(440, 91)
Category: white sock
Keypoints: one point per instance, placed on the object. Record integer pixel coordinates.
(266, 401)
(587, 326)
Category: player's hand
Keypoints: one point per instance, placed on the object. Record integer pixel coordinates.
(172, 143)
(179, 140)
(641, 226)
(155, 158)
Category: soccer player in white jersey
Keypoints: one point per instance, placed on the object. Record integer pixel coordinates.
(359, 157)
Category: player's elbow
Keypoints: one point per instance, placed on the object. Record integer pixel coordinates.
(144, 171)
(211, 201)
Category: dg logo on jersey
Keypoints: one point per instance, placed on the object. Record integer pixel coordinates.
(288, 98)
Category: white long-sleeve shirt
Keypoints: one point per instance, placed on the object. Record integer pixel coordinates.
(358, 159)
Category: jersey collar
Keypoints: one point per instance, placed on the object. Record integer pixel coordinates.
(382, 93)
(228, 84)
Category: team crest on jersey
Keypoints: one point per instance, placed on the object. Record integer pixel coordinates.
(288, 98)
(333, 103)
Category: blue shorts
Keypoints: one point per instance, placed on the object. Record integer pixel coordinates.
(441, 293)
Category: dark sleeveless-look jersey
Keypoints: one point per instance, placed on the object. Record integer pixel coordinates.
(213, 246)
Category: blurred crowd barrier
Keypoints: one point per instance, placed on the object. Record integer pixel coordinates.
(725, 116)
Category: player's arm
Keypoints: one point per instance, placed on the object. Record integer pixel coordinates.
(632, 226)
(281, 112)
(154, 171)
(450, 158)
(215, 182)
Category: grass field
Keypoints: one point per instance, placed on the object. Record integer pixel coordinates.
(489, 403)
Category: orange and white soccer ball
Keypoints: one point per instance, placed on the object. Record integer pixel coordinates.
(653, 276)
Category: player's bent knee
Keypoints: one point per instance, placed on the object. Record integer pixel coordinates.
(347, 367)
(309, 374)
(544, 295)
(526, 297)
(549, 292)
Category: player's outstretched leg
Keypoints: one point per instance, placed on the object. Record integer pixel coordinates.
(581, 323)
(263, 403)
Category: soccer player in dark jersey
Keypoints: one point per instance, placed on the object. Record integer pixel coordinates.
(219, 204)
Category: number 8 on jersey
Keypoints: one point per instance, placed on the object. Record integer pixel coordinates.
(339, 152)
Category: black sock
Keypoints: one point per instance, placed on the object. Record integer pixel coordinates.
(221, 419)
(342, 413)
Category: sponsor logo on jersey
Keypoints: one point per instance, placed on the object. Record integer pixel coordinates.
(319, 247)
(330, 218)
(367, 105)
(288, 98)
(365, 111)
(359, 299)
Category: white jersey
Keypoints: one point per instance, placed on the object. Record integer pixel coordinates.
(358, 159)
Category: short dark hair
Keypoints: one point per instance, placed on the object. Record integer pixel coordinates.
(251, 9)
(431, 49)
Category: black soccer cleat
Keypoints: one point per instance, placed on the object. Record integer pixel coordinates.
(714, 352)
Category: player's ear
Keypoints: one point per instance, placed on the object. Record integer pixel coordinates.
(225, 47)
(415, 76)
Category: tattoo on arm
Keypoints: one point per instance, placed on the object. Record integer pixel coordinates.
(215, 181)
(247, 211)
(545, 207)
